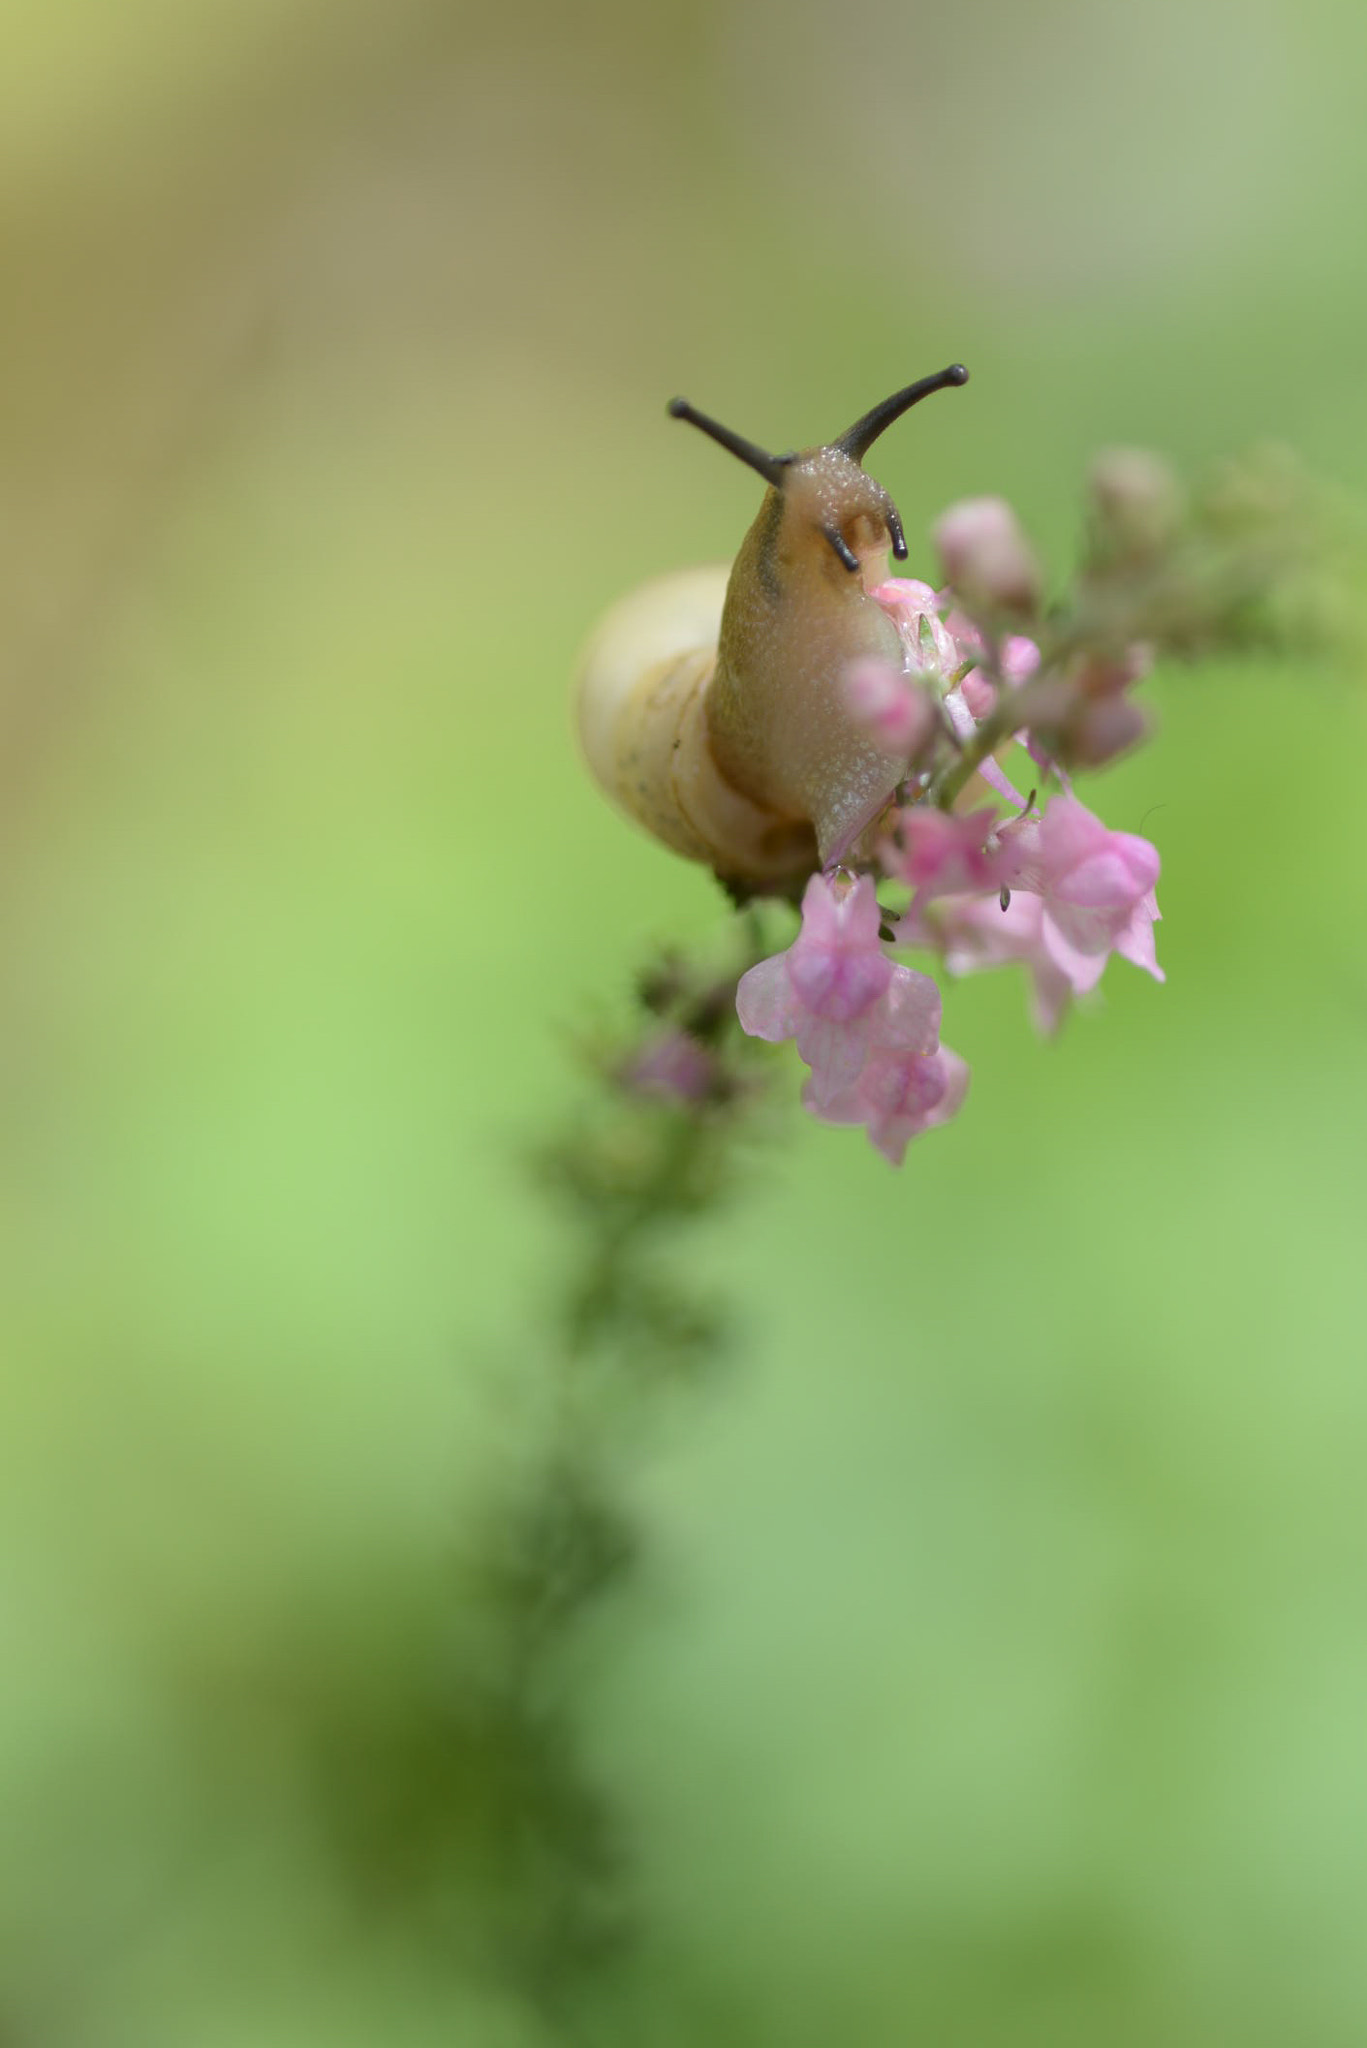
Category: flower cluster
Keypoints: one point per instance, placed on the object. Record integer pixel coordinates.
(990, 878)
(868, 1029)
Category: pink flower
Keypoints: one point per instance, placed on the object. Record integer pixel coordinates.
(888, 704)
(1018, 660)
(914, 609)
(674, 1065)
(976, 696)
(974, 933)
(837, 967)
(1105, 729)
(837, 993)
(1084, 716)
(901, 1094)
(1092, 881)
(941, 853)
(938, 648)
(986, 557)
(1134, 941)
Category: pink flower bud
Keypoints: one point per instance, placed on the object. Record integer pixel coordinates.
(1102, 730)
(940, 852)
(886, 703)
(986, 557)
(1018, 658)
(1084, 719)
(674, 1065)
(979, 693)
(1100, 675)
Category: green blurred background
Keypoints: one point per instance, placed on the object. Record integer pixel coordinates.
(999, 1670)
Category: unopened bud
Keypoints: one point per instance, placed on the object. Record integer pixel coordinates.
(1137, 500)
(1103, 729)
(1106, 675)
(1086, 732)
(979, 692)
(673, 1064)
(986, 557)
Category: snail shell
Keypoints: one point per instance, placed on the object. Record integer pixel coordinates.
(711, 702)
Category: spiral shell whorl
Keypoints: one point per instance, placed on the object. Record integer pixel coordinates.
(643, 727)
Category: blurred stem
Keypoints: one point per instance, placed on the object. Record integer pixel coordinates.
(619, 1232)
(636, 1162)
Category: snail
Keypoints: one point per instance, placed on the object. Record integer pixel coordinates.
(710, 702)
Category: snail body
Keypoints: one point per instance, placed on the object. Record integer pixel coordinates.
(711, 706)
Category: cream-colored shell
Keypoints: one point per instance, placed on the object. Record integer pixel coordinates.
(641, 699)
(661, 621)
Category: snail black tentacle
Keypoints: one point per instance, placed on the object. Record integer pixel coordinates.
(857, 440)
(770, 467)
(842, 547)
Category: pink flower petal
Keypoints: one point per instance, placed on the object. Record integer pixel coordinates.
(1019, 659)
(960, 717)
(913, 606)
(978, 692)
(1136, 942)
(1116, 876)
(1082, 966)
(985, 555)
(765, 1002)
(941, 852)
(909, 1020)
(1069, 833)
(996, 778)
(836, 1053)
(904, 1096)
(837, 965)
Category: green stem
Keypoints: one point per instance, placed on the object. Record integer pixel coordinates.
(1007, 719)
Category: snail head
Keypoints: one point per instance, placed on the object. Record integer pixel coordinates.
(824, 492)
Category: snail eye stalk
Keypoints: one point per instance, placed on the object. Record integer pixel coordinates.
(857, 440)
(770, 467)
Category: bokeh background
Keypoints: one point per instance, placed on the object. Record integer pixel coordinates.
(998, 1670)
